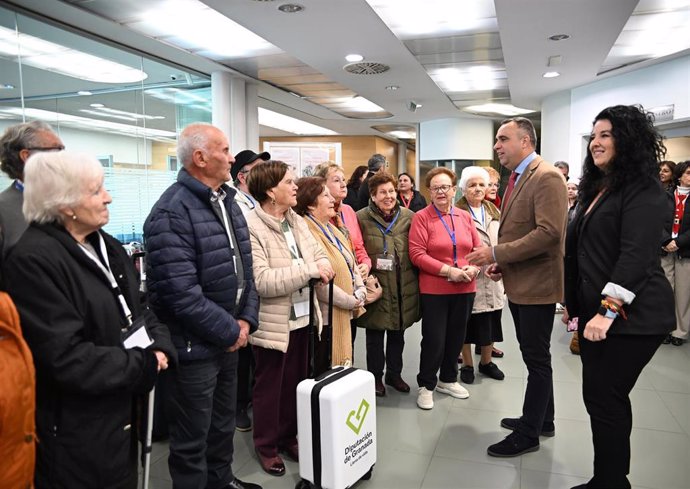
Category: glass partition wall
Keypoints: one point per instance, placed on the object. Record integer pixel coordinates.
(120, 107)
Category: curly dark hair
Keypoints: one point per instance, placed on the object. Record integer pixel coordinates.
(639, 149)
(356, 177)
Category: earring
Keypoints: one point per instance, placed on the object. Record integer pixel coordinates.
(74, 217)
(273, 201)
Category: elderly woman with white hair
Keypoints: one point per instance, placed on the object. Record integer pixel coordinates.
(485, 321)
(95, 348)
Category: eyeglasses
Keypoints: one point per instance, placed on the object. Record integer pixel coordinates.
(441, 189)
(493, 185)
(47, 149)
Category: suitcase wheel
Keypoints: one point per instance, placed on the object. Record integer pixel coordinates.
(304, 484)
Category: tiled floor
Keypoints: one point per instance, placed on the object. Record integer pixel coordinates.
(446, 447)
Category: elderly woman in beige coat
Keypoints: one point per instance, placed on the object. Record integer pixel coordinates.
(286, 256)
(485, 320)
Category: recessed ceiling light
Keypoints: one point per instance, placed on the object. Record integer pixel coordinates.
(291, 8)
(559, 37)
(84, 92)
(493, 108)
(6, 86)
(392, 87)
(96, 106)
(290, 124)
(551, 74)
(354, 58)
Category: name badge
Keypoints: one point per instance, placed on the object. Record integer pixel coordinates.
(384, 262)
(300, 303)
(137, 336)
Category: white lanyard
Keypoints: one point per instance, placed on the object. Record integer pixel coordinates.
(292, 244)
(105, 268)
(221, 197)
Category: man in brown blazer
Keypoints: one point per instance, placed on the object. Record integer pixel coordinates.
(529, 258)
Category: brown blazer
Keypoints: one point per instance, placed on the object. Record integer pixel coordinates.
(531, 236)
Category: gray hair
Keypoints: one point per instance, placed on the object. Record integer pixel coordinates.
(562, 164)
(15, 139)
(470, 173)
(376, 161)
(525, 125)
(194, 136)
(56, 180)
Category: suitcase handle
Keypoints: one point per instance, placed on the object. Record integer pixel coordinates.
(312, 319)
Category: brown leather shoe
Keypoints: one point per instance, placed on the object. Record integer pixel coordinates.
(379, 388)
(271, 465)
(291, 451)
(397, 383)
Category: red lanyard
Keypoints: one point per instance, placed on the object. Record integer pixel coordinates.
(680, 209)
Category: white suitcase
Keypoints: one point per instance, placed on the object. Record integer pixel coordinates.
(336, 425)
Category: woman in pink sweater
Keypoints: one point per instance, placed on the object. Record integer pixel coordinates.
(440, 237)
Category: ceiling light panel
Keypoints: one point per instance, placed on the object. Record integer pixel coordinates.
(412, 19)
(290, 124)
(655, 29)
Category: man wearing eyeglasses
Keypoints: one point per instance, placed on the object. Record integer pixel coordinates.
(16, 145)
(244, 162)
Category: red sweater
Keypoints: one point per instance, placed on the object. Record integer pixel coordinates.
(431, 248)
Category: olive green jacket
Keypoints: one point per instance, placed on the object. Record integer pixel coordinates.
(398, 307)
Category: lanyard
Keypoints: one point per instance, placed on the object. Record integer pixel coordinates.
(290, 238)
(250, 199)
(406, 204)
(221, 198)
(19, 185)
(105, 268)
(451, 234)
(386, 231)
(483, 222)
(330, 235)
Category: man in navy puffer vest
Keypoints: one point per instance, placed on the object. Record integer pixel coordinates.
(201, 285)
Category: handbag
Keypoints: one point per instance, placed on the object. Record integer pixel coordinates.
(374, 290)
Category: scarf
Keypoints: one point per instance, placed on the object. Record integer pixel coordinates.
(341, 342)
(680, 195)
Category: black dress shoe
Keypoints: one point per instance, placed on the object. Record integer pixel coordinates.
(242, 420)
(238, 484)
(513, 445)
(667, 340)
(397, 383)
(496, 353)
(379, 388)
(492, 370)
(676, 341)
(547, 429)
(271, 465)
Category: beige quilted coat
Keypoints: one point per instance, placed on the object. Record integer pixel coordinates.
(276, 277)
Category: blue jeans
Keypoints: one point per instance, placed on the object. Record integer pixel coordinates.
(201, 413)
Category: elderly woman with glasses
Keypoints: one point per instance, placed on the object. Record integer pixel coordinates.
(78, 299)
(385, 227)
(440, 237)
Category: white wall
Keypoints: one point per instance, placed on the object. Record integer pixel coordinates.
(456, 139)
(662, 84)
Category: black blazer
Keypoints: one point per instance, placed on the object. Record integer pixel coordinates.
(617, 242)
(683, 239)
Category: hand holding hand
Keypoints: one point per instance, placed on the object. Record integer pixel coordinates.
(471, 271)
(363, 269)
(672, 247)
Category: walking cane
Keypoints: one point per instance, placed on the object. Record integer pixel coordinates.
(147, 441)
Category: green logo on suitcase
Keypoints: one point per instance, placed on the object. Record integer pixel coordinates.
(356, 420)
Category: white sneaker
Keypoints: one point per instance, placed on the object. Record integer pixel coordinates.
(452, 389)
(425, 398)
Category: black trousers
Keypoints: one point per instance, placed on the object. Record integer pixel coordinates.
(533, 327)
(392, 357)
(610, 369)
(201, 412)
(444, 323)
(245, 377)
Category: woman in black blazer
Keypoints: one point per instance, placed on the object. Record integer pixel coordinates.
(614, 281)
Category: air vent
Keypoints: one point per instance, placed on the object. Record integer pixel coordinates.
(366, 68)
